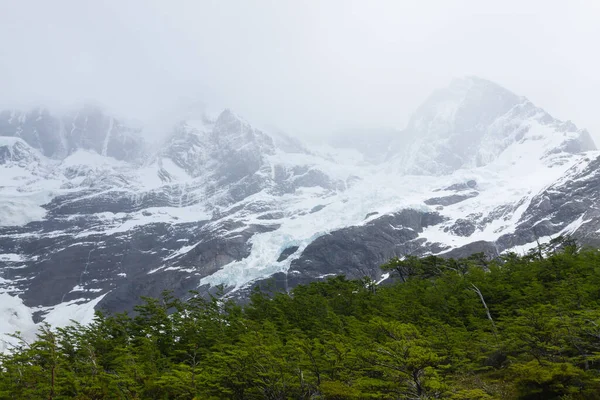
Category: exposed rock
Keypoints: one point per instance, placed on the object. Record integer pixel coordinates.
(449, 200)
(287, 252)
(468, 185)
(358, 251)
(462, 227)
(317, 208)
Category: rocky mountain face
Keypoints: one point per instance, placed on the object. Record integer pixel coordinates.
(91, 217)
(473, 122)
(59, 136)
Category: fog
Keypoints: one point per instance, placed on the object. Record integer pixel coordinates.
(306, 67)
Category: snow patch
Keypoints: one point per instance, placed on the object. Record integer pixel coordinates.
(11, 257)
(14, 317)
(64, 313)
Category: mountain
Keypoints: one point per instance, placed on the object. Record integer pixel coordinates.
(473, 122)
(58, 136)
(92, 216)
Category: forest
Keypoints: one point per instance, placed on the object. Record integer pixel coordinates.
(521, 326)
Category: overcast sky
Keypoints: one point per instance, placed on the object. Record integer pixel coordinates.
(308, 67)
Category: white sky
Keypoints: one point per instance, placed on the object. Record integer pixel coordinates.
(309, 66)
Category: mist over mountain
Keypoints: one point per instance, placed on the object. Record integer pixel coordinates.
(94, 216)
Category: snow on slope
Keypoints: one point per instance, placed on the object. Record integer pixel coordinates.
(520, 151)
(471, 123)
(91, 159)
(14, 317)
(299, 227)
(222, 172)
(26, 182)
(498, 184)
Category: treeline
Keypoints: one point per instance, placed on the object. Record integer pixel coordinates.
(519, 327)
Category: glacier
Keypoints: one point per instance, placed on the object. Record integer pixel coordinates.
(92, 216)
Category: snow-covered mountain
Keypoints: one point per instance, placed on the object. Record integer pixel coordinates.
(92, 217)
(472, 123)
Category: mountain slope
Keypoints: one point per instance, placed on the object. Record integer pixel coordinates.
(472, 122)
(88, 128)
(95, 219)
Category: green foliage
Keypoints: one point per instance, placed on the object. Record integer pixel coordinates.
(519, 327)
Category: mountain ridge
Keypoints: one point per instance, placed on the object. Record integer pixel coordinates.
(469, 124)
(220, 202)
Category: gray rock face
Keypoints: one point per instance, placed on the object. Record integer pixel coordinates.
(459, 187)
(359, 251)
(449, 200)
(106, 234)
(182, 273)
(570, 205)
(287, 252)
(469, 124)
(58, 136)
(38, 128)
(462, 227)
(16, 151)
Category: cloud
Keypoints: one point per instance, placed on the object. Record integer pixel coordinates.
(308, 67)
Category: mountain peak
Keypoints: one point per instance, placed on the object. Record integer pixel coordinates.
(16, 150)
(471, 84)
(471, 81)
(467, 102)
(57, 135)
(471, 122)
